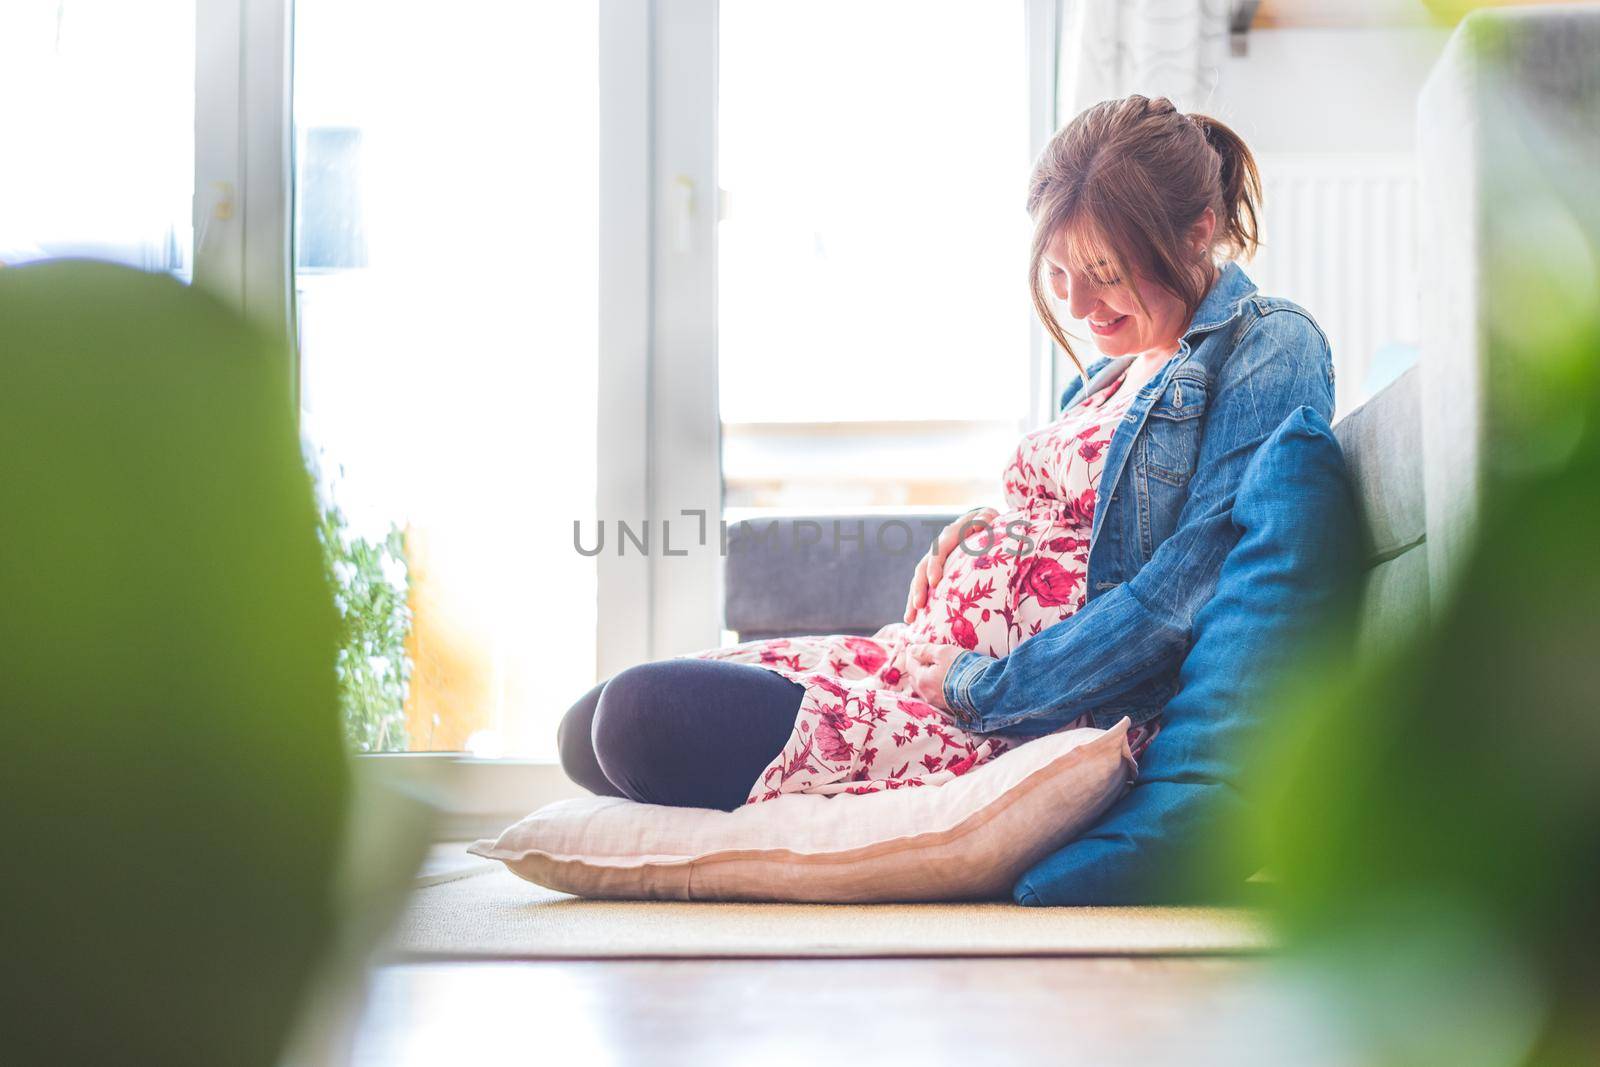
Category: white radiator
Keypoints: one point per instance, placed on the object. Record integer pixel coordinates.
(1340, 239)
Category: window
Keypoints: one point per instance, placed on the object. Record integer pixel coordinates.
(873, 317)
(446, 285)
(97, 133)
(433, 221)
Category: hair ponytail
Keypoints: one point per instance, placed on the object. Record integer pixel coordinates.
(1239, 221)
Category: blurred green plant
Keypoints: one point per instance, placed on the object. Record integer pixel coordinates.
(371, 583)
(1433, 812)
(194, 876)
(175, 785)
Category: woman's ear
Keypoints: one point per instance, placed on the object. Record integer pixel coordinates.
(1202, 230)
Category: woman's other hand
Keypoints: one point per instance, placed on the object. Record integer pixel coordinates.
(928, 664)
(930, 568)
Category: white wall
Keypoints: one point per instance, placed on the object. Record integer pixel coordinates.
(1321, 90)
(1330, 114)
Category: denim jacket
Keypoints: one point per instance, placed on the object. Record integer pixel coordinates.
(1162, 521)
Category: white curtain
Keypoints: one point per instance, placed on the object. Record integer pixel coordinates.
(1110, 48)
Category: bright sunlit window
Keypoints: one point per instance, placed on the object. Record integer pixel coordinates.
(873, 311)
(97, 131)
(446, 244)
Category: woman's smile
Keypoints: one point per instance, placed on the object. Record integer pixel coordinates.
(1127, 316)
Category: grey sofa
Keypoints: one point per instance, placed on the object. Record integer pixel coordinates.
(1489, 133)
(822, 574)
(848, 574)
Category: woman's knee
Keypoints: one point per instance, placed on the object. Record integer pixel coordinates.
(575, 745)
(691, 731)
(651, 709)
(624, 722)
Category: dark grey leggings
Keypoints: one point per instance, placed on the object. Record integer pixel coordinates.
(693, 733)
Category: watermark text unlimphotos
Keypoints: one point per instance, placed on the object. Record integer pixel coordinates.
(890, 537)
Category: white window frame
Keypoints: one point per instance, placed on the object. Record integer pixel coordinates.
(659, 426)
(686, 452)
(625, 597)
(685, 425)
(1044, 76)
(242, 160)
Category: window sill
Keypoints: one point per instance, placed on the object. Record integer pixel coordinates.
(471, 797)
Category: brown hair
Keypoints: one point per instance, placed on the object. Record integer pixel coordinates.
(1127, 178)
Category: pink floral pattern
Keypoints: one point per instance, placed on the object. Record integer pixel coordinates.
(859, 729)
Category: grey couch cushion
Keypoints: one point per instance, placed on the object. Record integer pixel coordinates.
(1382, 442)
(1394, 601)
(822, 574)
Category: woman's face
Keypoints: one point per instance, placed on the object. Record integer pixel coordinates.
(1108, 306)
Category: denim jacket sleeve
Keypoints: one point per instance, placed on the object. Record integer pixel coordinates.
(1140, 629)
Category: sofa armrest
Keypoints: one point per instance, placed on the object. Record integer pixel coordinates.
(822, 574)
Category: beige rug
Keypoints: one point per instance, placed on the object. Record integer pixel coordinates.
(494, 914)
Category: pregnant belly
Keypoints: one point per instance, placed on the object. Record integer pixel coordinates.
(999, 590)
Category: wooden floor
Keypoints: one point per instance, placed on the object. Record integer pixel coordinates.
(972, 1011)
(862, 1011)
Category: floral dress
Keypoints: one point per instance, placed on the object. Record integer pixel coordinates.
(859, 728)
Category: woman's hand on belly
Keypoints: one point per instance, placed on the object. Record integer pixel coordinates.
(931, 567)
(928, 664)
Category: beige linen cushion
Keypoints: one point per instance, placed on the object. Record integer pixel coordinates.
(968, 839)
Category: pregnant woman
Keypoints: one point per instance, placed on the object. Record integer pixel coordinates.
(1072, 605)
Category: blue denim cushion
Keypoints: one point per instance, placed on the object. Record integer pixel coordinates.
(1293, 566)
